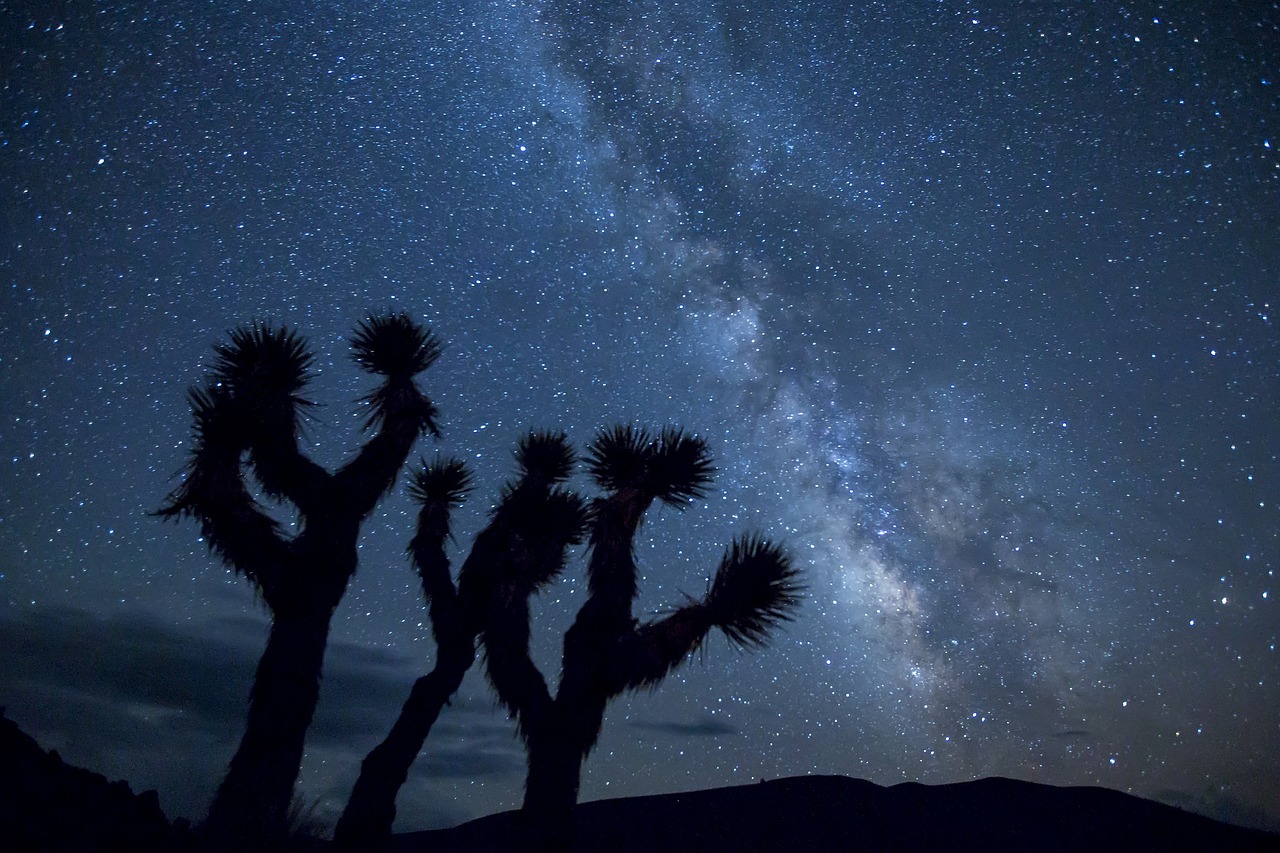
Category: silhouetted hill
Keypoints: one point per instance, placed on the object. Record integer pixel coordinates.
(834, 813)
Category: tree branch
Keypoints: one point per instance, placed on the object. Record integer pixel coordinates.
(214, 493)
(647, 654)
(402, 413)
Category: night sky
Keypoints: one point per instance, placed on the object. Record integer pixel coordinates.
(976, 305)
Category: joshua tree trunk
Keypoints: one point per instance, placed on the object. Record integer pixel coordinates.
(252, 803)
(366, 822)
(551, 788)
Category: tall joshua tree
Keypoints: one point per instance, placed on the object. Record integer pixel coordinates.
(247, 420)
(523, 545)
(606, 651)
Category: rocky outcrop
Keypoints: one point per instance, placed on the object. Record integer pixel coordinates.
(49, 805)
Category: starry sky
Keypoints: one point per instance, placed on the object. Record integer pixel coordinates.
(975, 303)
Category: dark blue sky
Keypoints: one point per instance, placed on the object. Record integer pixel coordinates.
(976, 306)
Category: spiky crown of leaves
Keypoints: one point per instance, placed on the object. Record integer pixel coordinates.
(263, 362)
(546, 523)
(542, 512)
(394, 346)
(672, 466)
(755, 588)
(216, 422)
(219, 438)
(546, 457)
(560, 516)
(444, 481)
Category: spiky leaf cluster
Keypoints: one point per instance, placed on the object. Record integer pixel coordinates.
(681, 469)
(755, 588)
(444, 481)
(218, 441)
(217, 423)
(672, 466)
(394, 346)
(550, 524)
(264, 364)
(214, 493)
(400, 398)
(541, 524)
(618, 456)
(545, 457)
(565, 517)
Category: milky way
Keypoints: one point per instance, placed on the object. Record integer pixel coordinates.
(976, 307)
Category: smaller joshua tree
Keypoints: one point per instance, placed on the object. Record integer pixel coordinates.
(247, 420)
(523, 545)
(606, 651)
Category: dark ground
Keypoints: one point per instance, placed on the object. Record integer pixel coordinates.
(835, 813)
(49, 806)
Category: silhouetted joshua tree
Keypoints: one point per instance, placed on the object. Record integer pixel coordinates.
(247, 419)
(523, 545)
(606, 651)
